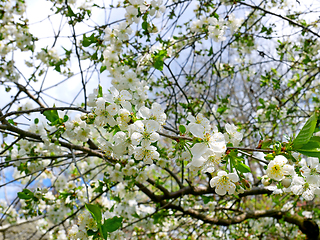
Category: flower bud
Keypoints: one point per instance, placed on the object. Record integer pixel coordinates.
(246, 184)
(286, 182)
(117, 166)
(83, 117)
(266, 181)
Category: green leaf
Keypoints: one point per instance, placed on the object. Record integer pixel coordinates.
(145, 25)
(305, 134)
(36, 120)
(65, 118)
(158, 217)
(57, 65)
(222, 109)
(111, 224)
(206, 199)
(158, 64)
(51, 115)
(11, 122)
(159, 59)
(266, 144)
(261, 101)
(95, 212)
(87, 41)
(100, 93)
(216, 15)
(182, 129)
(312, 148)
(210, 52)
(102, 68)
(25, 194)
(91, 232)
(269, 156)
(104, 232)
(70, 13)
(243, 168)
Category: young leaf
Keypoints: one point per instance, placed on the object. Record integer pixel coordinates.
(312, 148)
(11, 122)
(159, 59)
(306, 133)
(111, 224)
(25, 194)
(243, 168)
(102, 68)
(182, 129)
(51, 115)
(95, 212)
(65, 118)
(100, 93)
(87, 41)
(206, 199)
(145, 26)
(70, 13)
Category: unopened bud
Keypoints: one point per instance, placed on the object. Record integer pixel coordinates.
(266, 181)
(117, 166)
(286, 182)
(91, 115)
(246, 184)
(83, 117)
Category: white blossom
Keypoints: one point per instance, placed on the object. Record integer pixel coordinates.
(224, 182)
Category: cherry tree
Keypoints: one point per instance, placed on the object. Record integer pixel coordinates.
(160, 119)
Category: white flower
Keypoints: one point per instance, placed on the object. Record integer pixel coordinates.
(277, 168)
(117, 97)
(199, 120)
(120, 137)
(224, 182)
(233, 135)
(83, 132)
(197, 26)
(216, 29)
(311, 170)
(234, 23)
(215, 140)
(301, 187)
(156, 113)
(146, 153)
(123, 119)
(197, 151)
(131, 14)
(145, 134)
(213, 159)
(157, 8)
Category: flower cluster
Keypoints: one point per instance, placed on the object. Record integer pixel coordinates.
(119, 147)
(300, 180)
(215, 27)
(132, 9)
(48, 57)
(15, 35)
(210, 148)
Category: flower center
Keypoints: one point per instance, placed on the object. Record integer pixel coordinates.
(276, 169)
(223, 180)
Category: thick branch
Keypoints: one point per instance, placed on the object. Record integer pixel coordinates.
(307, 226)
